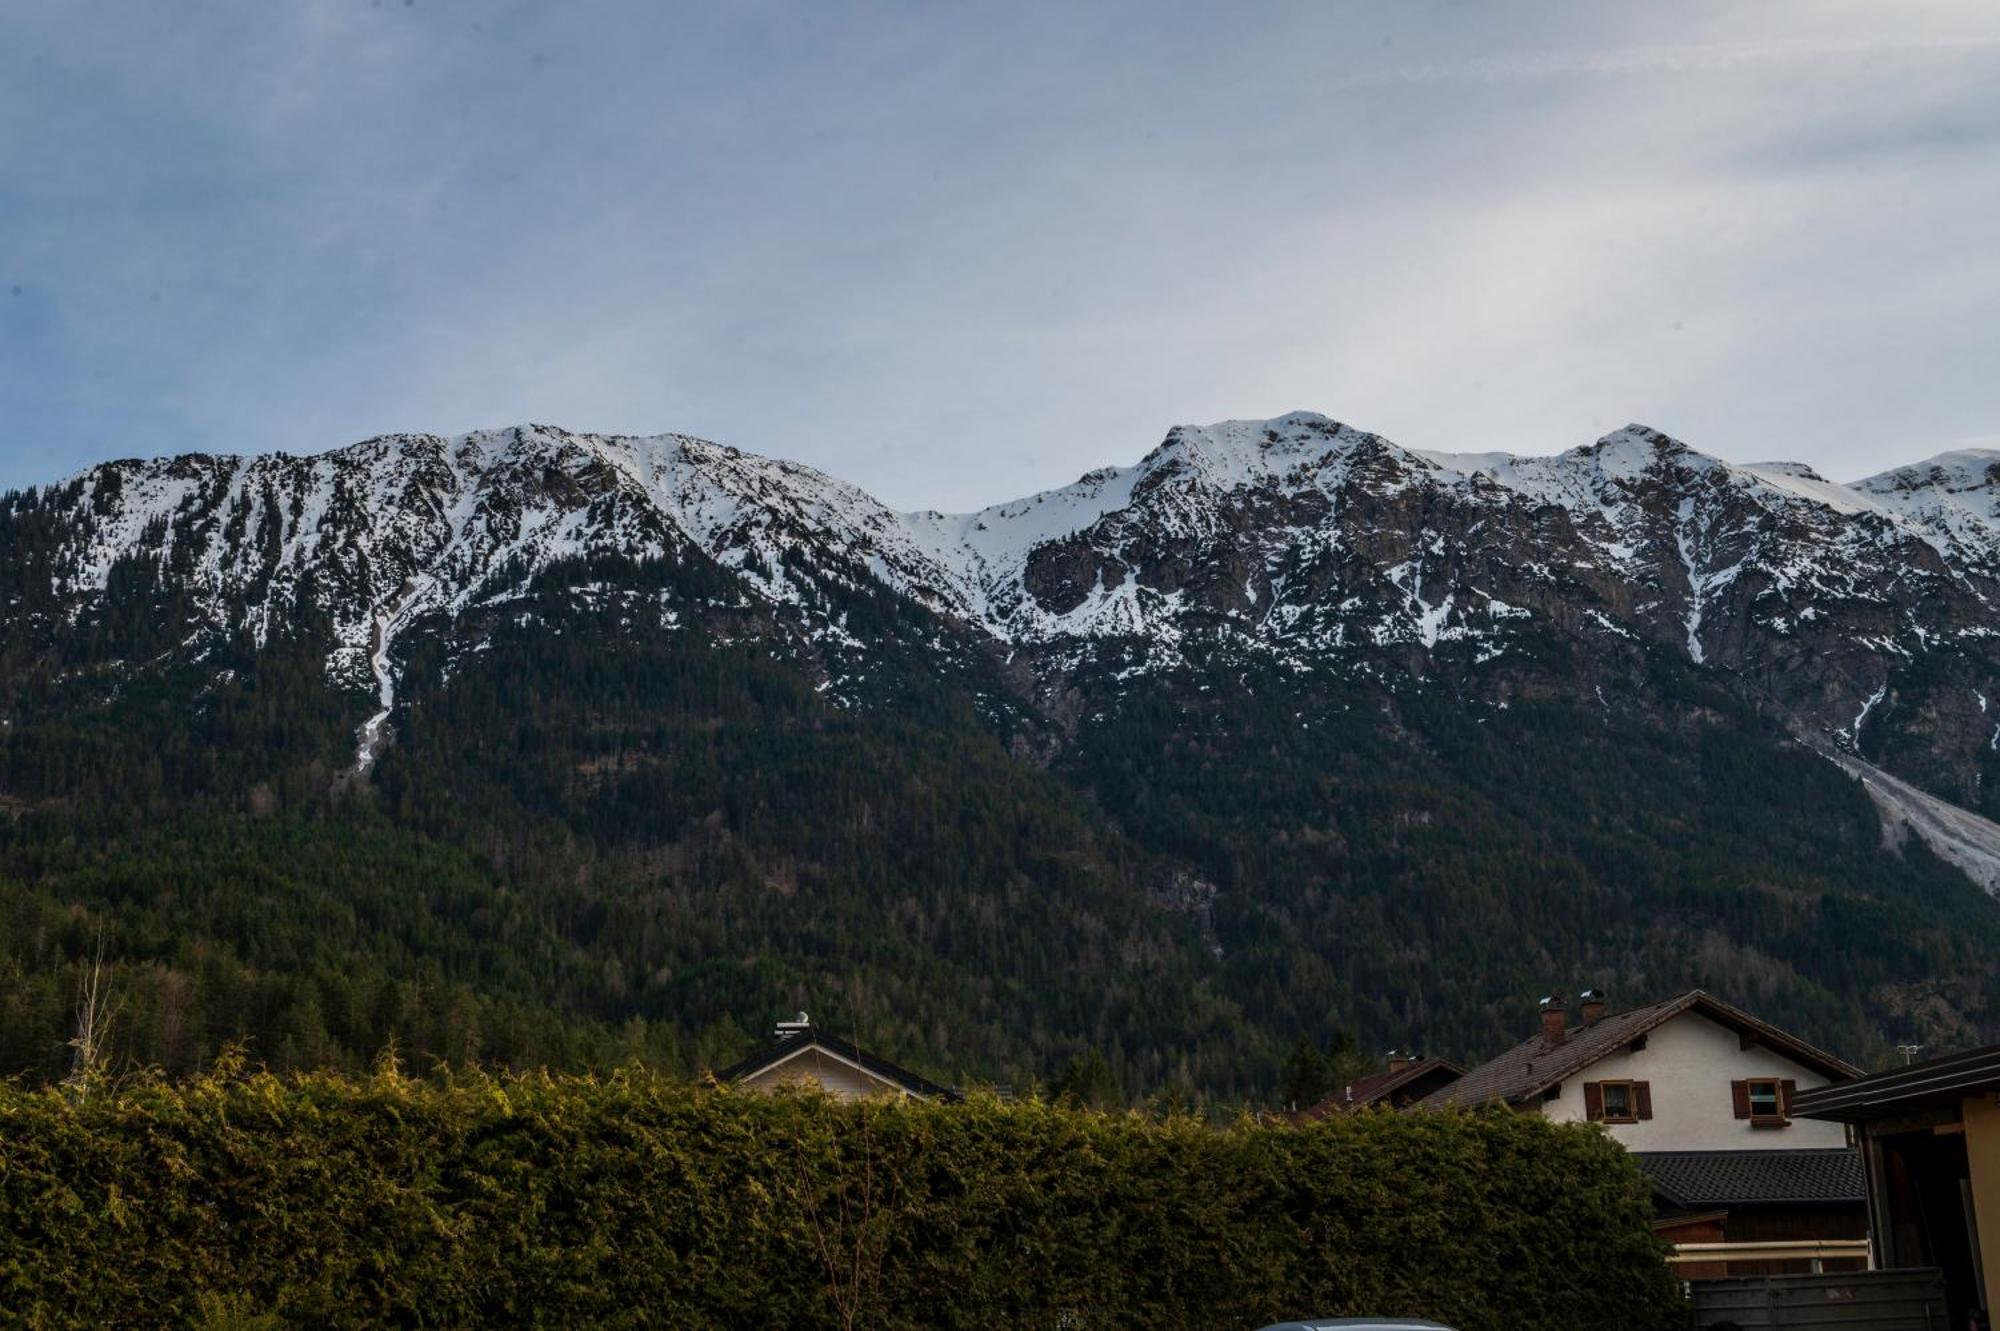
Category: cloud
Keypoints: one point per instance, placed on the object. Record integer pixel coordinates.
(1703, 58)
(955, 254)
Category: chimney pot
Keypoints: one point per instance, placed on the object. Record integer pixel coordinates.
(1554, 1020)
(1591, 1002)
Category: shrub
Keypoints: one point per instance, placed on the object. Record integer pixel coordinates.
(632, 1201)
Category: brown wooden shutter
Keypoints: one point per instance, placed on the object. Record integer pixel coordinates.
(1642, 1099)
(1740, 1090)
(1786, 1090)
(1593, 1100)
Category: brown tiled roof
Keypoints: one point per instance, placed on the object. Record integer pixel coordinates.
(1374, 1087)
(1534, 1065)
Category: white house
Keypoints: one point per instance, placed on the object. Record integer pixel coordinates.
(1689, 1074)
(1701, 1092)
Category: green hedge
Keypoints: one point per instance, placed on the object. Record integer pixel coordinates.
(264, 1201)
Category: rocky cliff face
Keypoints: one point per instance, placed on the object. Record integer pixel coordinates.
(1318, 730)
(1863, 614)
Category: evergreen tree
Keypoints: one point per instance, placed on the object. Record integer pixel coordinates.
(1087, 1082)
(1309, 1077)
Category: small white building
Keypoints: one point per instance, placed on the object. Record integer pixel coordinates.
(1701, 1092)
(802, 1056)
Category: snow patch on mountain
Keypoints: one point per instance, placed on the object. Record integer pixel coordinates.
(1299, 535)
(1953, 497)
(1958, 836)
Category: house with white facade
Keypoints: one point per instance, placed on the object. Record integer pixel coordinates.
(1701, 1092)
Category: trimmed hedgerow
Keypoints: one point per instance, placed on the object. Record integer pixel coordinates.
(633, 1201)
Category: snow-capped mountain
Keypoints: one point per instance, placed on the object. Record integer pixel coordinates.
(1297, 539)
(1282, 714)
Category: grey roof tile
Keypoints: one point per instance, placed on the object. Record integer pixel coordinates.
(1740, 1178)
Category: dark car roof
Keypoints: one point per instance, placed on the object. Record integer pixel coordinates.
(1359, 1324)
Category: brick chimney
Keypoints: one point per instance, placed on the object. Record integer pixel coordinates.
(1400, 1059)
(1591, 1005)
(1554, 1020)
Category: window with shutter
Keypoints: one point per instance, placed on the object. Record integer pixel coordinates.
(1617, 1101)
(1767, 1102)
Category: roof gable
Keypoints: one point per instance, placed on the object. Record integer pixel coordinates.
(1534, 1065)
(790, 1047)
(1377, 1087)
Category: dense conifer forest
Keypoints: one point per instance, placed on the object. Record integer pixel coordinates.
(588, 846)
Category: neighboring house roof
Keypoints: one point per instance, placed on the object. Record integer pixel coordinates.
(1534, 1065)
(1377, 1087)
(792, 1046)
(1864, 1098)
(1748, 1178)
(1667, 1226)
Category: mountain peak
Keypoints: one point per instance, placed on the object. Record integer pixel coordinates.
(1232, 453)
(1797, 471)
(1298, 533)
(1638, 441)
(1956, 469)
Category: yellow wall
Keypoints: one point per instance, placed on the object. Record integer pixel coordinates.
(1982, 1148)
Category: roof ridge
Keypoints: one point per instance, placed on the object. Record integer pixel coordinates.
(1542, 1063)
(793, 1042)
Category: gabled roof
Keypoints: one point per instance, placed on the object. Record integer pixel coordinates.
(792, 1046)
(1534, 1065)
(1375, 1088)
(1904, 1088)
(1748, 1178)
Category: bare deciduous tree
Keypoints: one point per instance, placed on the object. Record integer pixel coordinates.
(852, 1233)
(95, 1012)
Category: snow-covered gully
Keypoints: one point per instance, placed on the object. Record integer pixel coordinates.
(423, 589)
(373, 737)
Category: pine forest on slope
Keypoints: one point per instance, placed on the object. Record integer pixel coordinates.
(530, 746)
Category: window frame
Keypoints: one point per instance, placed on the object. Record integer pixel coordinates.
(1631, 1093)
(1777, 1116)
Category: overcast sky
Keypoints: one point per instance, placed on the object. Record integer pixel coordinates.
(960, 252)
